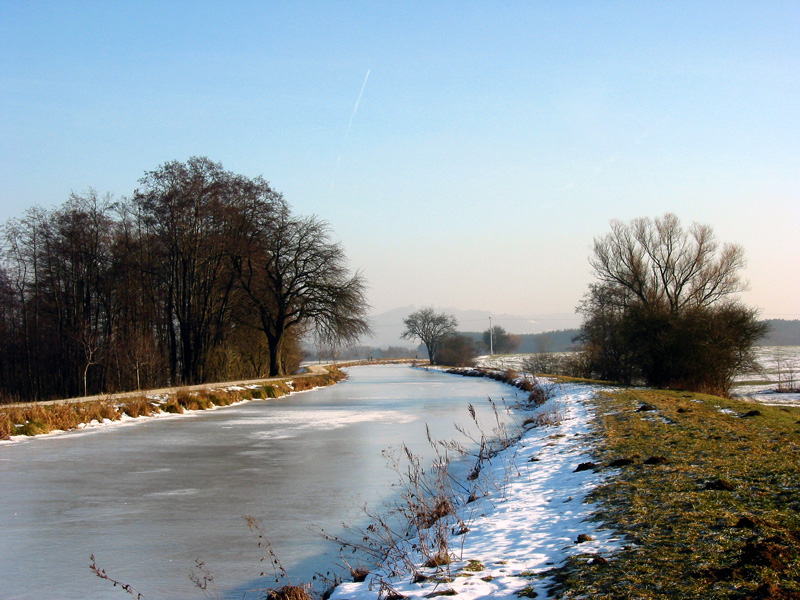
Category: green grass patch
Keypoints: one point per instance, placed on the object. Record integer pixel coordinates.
(474, 566)
(705, 495)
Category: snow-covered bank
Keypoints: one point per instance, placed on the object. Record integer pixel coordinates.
(184, 403)
(528, 522)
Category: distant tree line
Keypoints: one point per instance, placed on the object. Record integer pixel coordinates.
(359, 352)
(781, 333)
(560, 340)
(201, 275)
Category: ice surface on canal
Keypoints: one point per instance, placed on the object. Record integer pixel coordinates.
(149, 497)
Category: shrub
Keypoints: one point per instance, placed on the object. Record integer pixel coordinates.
(540, 392)
(457, 351)
(139, 407)
(551, 363)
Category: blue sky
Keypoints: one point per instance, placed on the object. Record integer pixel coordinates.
(492, 141)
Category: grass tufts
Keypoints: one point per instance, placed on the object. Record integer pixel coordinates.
(290, 592)
(138, 407)
(172, 405)
(271, 391)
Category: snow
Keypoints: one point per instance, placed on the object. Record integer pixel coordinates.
(779, 367)
(528, 521)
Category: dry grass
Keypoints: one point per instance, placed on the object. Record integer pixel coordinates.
(272, 391)
(290, 592)
(706, 498)
(138, 407)
(551, 416)
(36, 419)
(193, 400)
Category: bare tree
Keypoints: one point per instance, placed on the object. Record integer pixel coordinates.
(201, 274)
(662, 312)
(430, 327)
(297, 280)
(139, 352)
(190, 215)
(91, 344)
(658, 262)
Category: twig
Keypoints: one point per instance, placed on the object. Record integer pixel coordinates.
(101, 573)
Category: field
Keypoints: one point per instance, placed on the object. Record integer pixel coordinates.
(705, 492)
(776, 381)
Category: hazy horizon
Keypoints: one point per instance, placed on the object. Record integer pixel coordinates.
(465, 154)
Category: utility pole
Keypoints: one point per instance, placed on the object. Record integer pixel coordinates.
(491, 341)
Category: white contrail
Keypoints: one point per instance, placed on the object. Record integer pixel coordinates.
(347, 132)
(355, 108)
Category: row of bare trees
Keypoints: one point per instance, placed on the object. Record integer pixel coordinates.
(201, 275)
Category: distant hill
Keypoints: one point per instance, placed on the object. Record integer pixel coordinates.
(781, 333)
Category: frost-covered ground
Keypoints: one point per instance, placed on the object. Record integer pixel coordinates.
(528, 522)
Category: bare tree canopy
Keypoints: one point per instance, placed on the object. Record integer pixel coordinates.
(297, 279)
(662, 310)
(190, 216)
(660, 263)
(430, 327)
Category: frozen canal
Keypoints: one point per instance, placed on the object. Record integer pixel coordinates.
(149, 498)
